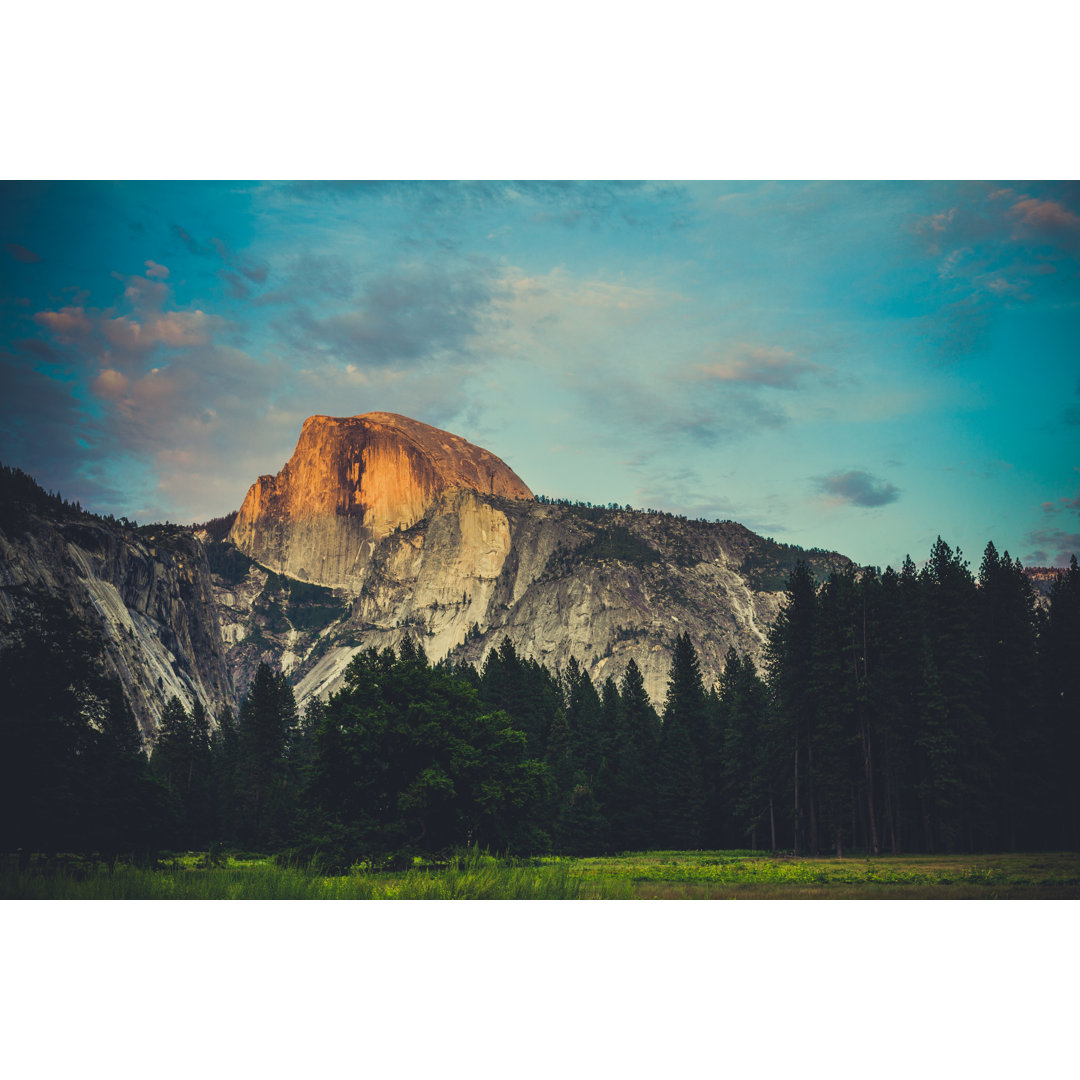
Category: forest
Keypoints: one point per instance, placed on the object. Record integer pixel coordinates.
(925, 710)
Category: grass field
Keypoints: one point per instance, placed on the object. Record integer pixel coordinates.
(654, 875)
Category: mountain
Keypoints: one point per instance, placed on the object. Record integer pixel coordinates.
(146, 594)
(389, 526)
(380, 526)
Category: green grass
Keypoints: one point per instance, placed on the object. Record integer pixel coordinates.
(643, 875)
(478, 877)
(750, 875)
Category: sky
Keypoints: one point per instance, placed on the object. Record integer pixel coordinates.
(856, 366)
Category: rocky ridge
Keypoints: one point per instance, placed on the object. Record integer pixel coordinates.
(147, 595)
(380, 527)
(406, 539)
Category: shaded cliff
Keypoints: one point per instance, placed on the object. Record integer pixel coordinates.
(145, 594)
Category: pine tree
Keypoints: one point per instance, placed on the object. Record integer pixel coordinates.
(1059, 649)
(680, 780)
(961, 758)
(267, 719)
(790, 656)
(631, 792)
(749, 753)
(1010, 701)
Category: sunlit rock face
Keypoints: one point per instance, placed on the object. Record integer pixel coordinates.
(353, 481)
(419, 532)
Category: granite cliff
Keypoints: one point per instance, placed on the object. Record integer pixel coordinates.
(350, 483)
(379, 526)
(146, 594)
(408, 529)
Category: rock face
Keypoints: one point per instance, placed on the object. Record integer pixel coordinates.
(351, 482)
(146, 594)
(380, 527)
(415, 531)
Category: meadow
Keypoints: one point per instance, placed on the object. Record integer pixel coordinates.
(654, 875)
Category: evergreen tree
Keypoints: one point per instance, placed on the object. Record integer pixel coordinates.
(631, 794)
(955, 740)
(1008, 646)
(1059, 649)
(790, 655)
(267, 719)
(680, 780)
(749, 753)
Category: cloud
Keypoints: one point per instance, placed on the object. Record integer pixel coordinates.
(405, 316)
(22, 254)
(189, 241)
(312, 276)
(256, 273)
(959, 328)
(991, 249)
(565, 202)
(1046, 215)
(129, 338)
(858, 488)
(1051, 547)
(931, 227)
(759, 365)
(69, 325)
(1052, 544)
(156, 270)
(42, 422)
(1000, 286)
(1064, 505)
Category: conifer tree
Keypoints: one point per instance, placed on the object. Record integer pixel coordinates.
(680, 780)
(790, 654)
(1060, 647)
(267, 719)
(1010, 701)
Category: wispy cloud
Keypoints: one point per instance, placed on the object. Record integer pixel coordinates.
(858, 488)
(1053, 544)
(1049, 220)
(759, 365)
(403, 316)
(22, 254)
(189, 241)
(564, 202)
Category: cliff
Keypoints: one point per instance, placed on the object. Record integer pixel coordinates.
(146, 595)
(411, 530)
(350, 483)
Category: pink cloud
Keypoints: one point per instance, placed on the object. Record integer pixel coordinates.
(1000, 286)
(110, 384)
(1056, 224)
(156, 270)
(1045, 214)
(69, 324)
(174, 329)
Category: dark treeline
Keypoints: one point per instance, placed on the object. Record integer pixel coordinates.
(922, 711)
(910, 711)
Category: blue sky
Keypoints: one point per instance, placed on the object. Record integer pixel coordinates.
(858, 366)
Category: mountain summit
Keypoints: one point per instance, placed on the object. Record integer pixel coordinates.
(352, 481)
